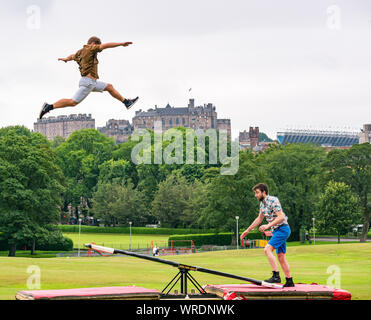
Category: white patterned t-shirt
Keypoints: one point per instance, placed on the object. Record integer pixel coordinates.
(269, 207)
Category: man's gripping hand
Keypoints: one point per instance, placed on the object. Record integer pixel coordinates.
(263, 227)
(243, 235)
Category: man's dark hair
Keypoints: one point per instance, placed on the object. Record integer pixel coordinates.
(94, 40)
(262, 187)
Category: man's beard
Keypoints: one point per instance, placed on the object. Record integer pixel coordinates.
(261, 199)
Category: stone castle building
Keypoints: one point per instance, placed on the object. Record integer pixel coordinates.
(119, 130)
(249, 139)
(195, 117)
(63, 126)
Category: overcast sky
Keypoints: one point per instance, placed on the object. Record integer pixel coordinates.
(275, 64)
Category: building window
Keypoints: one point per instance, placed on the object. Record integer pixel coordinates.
(183, 121)
(171, 121)
(177, 120)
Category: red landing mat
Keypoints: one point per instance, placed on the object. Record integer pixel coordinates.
(299, 292)
(116, 293)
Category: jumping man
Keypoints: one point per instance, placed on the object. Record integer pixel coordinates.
(270, 208)
(88, 63)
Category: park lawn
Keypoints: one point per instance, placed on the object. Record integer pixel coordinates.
(117, 241)
(308, 264)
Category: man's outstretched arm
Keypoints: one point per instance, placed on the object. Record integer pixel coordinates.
(114, 45)
(255, 223)
(69, 58)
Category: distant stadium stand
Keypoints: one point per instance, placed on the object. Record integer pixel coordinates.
(322, 138)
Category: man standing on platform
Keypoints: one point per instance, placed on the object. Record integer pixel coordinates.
(271, 209)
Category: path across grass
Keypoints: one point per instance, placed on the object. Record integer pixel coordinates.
(308, 264)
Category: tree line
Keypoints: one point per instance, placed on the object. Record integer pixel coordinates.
(41, 181)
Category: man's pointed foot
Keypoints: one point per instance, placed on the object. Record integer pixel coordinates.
(130, 102)
(45, 109)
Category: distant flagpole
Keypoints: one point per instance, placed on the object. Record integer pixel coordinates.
(189, 92)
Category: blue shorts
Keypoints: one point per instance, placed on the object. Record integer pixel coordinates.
(278, 240)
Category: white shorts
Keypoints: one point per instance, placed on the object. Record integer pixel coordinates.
(87, 85)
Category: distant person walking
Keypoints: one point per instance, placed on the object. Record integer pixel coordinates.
(270, 208)
(155, 251)
(87, 60)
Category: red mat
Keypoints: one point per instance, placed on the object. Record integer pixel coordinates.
(128, 293)
(300, 291)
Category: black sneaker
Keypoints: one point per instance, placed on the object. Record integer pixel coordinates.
(275, 278)
(130, 102)
(45, 109)
(289, 283)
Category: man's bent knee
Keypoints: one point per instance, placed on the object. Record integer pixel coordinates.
(268, 249)
(109, 87)
(281, 256)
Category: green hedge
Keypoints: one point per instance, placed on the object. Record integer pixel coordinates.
(219, 239)
(51, 241)
(126, 230)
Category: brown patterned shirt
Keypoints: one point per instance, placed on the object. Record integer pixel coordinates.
(87, 60)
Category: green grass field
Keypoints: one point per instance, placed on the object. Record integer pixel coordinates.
(119, 241)
(308, 264)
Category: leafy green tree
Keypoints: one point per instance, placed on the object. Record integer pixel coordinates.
(264, 138)
(294, 170)
(338, 209)
(119, 203)
(31, 184)
(231, 196)
(58, 140)
(353, 167)
(17, 229)
(210, 174)
(80, 157)
(192, 172)
(177, 201)
(119, 170)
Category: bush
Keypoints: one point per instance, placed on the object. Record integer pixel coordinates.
(54, 241)
(49, 241)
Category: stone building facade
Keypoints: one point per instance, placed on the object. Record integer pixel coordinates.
(119, 130)
(63, 126)
(195, 117)
(249, 139)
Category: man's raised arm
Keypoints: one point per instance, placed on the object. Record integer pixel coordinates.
(69, 58)
(114, 45)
